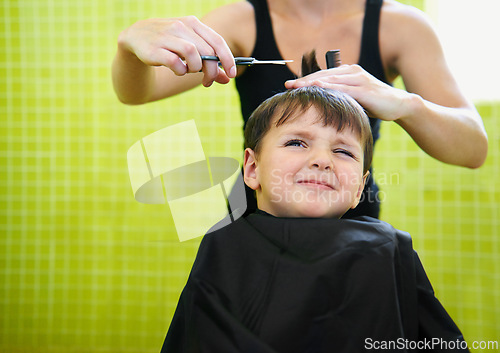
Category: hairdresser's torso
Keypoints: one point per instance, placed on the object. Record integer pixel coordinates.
(300, 26)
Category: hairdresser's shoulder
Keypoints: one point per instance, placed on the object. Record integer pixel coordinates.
(231, 12)
(236, 23)
(405, 31)
(405, 17)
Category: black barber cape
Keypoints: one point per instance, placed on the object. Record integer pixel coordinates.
(266, 285)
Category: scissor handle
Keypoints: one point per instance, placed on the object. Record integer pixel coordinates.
(209, 57)
(238, 60)
(244, 60)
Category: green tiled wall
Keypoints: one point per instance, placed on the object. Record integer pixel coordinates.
(453, 215)
(86, 268)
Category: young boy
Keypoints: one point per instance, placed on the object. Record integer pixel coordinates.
(307, 154)
(293, 277)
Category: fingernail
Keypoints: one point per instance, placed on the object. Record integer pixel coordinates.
(232, 71)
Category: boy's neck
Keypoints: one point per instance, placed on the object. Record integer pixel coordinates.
(259, 211)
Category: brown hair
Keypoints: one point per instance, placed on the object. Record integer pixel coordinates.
(335, 109)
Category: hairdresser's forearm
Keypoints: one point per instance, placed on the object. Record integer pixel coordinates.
(133, 80)
(451, 135)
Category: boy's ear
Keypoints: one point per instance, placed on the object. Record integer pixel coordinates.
(250, 170)
(360, 189)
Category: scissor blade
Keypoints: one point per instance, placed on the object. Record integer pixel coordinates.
(247, 61)
(275, 62)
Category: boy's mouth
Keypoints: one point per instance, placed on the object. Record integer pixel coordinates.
(316, 184)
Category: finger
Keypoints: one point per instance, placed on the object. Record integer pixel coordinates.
(191, 41)
(333, 72)
(323, 84)
(291, 84)
(308, 79)
(347, 79)
(183, 55)
(182, 40)
(222, 77)
(171, 60)
(344, 88)
(211, 72)
(218, 45)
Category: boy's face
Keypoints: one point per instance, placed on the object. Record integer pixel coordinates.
(305, 169)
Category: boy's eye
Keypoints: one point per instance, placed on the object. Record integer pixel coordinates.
(343, 151)
(295, 143)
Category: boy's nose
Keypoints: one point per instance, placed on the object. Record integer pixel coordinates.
(321, 160)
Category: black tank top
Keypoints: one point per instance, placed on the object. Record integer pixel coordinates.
(260, 82)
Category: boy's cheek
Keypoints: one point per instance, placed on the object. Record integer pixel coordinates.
(349, 178)
(277, 194)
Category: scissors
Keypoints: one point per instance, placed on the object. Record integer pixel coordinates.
(247, 60)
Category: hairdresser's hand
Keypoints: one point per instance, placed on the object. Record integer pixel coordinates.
(379, 99)
(178, 43)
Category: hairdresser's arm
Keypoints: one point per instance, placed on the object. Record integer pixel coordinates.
(432, 110)
(158, 58)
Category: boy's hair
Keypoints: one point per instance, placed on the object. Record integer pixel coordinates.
(335, 109)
